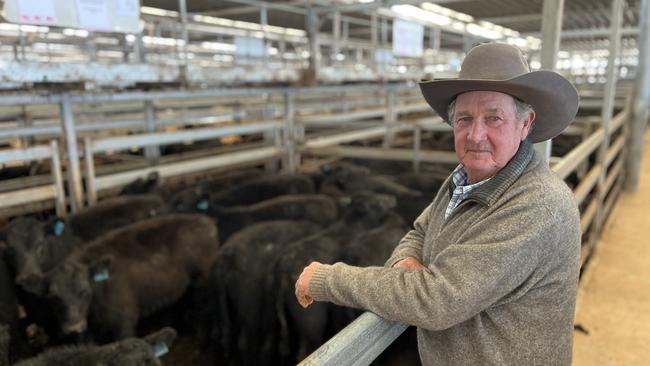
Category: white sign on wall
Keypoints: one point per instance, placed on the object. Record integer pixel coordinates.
(407, 38)
(127, 8)
(249, 47)
(37, 11)
(94, 15)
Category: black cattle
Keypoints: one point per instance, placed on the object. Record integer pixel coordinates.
(346, 183)
(197, 197)
(141, 186)
(240, 303)
(5, 339)
(9, 316)
(304, 330)
(301, 330)
(114, 212)
(320, 209)
(35, 247)
(376, 244)
(131, 272)
(131, 351)
(263, 188)
(427, 183)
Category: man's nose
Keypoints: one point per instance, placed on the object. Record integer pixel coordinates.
(477, 131)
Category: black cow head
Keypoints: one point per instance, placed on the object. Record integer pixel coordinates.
(70, 285)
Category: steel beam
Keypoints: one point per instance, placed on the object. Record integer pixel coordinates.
(357, 344)
(551, 28)
(608, 110)
(74, 174)
(641, 103)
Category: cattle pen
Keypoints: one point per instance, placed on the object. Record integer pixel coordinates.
(178, 102)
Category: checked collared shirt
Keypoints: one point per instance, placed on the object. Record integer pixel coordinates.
(462, 190)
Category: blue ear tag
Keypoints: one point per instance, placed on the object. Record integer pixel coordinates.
(202, 205)
(58, 227)
(101, 275)
(160, 349)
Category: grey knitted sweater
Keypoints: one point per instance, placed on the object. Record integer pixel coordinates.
(502, 273)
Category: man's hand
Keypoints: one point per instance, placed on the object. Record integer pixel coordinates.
(302, 285)
(409, 263)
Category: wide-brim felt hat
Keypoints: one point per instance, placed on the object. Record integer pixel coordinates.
(503, 68)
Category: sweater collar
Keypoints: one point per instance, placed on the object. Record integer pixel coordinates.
(489, 192)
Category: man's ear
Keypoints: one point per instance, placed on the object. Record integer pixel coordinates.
(528, 125)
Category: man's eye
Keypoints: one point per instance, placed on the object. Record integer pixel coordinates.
(494, 119)
(463, 120)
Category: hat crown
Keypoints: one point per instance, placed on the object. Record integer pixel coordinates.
(493, 61)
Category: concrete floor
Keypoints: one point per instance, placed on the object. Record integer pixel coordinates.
(614, 295)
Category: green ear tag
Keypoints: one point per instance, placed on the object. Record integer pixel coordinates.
(101, 275)
(160, 349)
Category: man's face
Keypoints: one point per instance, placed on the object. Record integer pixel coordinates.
(486, 132)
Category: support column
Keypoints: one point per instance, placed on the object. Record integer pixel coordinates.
(551, 29)
(336, 30)
(291, 159)
(74, 173)
(264, 21)
(640, 104)
(434, 39)
(606, 117)
(311, 78)
(151, 153)
(390, 118)
(183, 57)
(374, 25)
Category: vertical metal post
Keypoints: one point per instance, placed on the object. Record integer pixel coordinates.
(183, 66)
(27, 121)
(417, 146)
(374, 20)
(270, 137)
(89, 159)
(606, 114)
(374, 27)
(551, 28)
(151, 153)
(289, 163)
(139, 48)
(384, 32)
(57, 177)
(336, 30)
(314, 47)
(89, 44)
(264, 21)
(641, 103)
(21, 39)
(390, 118)
(74, 175)
(434, 39)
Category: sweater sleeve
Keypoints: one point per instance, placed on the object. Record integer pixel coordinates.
(464, 279)
(411, 243)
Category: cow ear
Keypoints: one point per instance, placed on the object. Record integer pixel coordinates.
(101, 270)
(161, 340)
(58, 225)
(203, 203)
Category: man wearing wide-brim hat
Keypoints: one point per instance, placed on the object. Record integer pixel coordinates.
(489, 272)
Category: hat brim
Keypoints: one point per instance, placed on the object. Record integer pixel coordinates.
(554, 99)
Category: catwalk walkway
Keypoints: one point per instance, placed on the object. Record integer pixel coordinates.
(614, 295)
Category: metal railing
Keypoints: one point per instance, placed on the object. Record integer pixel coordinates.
(53, 191)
